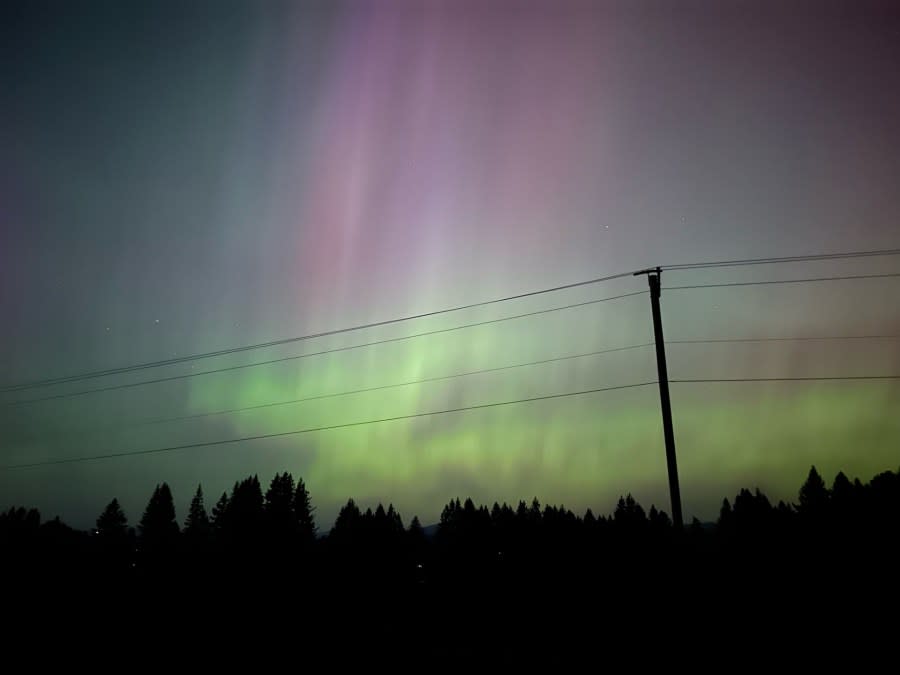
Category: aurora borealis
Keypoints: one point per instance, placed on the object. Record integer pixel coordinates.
(180, 179)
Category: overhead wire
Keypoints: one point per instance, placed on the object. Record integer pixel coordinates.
(289, 340)
(438, 378)
(396, 385)
(65, 379)
(805, 338)
(307, 430)
(768, 282)
(184, 376)
(815, 257)
(786, 379)
(234, 350)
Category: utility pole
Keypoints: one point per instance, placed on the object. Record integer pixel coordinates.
(653, 276)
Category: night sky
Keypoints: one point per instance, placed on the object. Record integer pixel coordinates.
(177, 178)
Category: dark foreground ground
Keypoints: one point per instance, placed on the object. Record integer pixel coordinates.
(814, 585)
(722, 606)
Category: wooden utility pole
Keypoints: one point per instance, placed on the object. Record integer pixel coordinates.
(653, 276)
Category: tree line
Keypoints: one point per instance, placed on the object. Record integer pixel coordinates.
(277, 528)
(499, 584)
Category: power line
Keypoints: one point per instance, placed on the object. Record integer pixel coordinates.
(784, 281)
(171, 378)
(784, 339)
(308, 430)
(274, 343)
(790, 379)
(482, 406)
(784, 259)
(317, 397)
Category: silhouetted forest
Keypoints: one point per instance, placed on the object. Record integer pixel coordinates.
(835, 550)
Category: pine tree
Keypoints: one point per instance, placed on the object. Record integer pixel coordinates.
(348, 523)
(245, 512)
(112, 523)
(415, 542)
(813, 495)
(113, 537)
(629, 513)
(394, 520)
(842, 494)
(158, 527)
(522, 510)
(219, 513)
(535, 512)
(303, 513)
(416, 533)
(197, 526)
(279, 511)
(659, 520)
(726, 515)
(696, 528)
